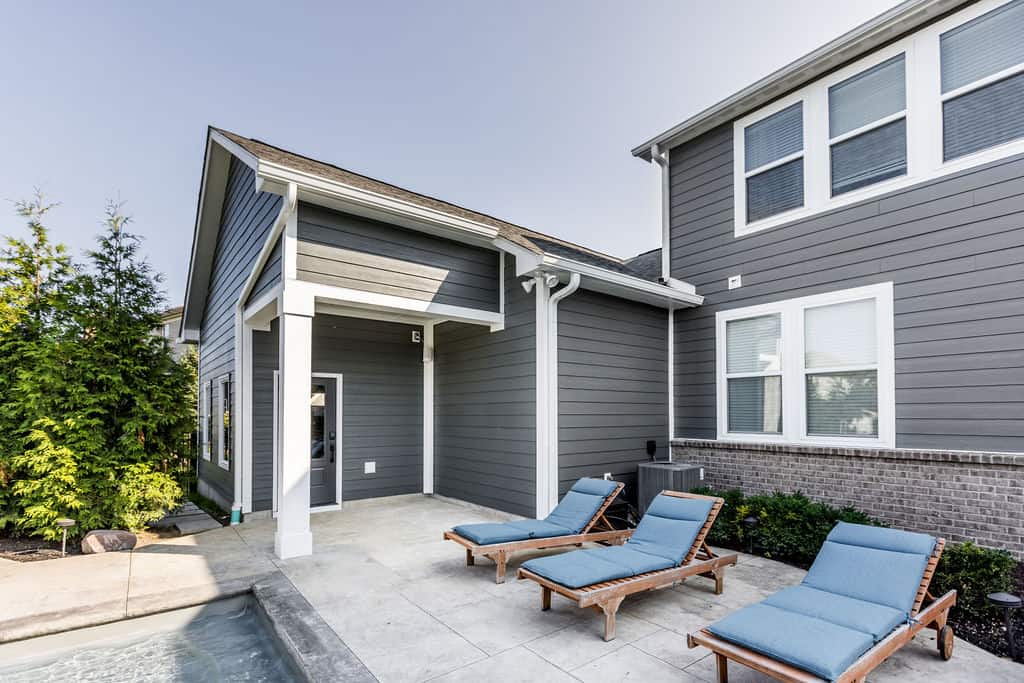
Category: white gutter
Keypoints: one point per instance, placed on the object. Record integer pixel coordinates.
(552, 379)
(243, 361)
(870, 35)
(661, 158)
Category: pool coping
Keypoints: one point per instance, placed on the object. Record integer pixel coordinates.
(317, 651)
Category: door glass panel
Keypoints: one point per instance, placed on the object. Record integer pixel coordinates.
(317, 402)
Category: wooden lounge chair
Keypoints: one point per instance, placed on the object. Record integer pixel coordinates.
(667, 547)
(578, 519)
(846, 628)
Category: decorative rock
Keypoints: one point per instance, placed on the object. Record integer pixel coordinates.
(106, 540)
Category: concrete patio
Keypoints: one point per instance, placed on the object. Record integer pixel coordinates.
(407, 606)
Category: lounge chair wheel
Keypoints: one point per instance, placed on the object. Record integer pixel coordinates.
(944, 642)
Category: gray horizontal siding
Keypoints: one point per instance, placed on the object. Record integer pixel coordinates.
(270, 275)
(357, 253)
(485, 408)
(612, 387)
(382, 404)
(953, 246)
(246, 219)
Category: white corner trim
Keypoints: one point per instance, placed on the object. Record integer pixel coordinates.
(671, 375)
(664, 195)
(542, 471)
(794, 428)
(428, 408)
(552, 379)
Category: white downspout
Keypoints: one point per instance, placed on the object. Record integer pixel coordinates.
(661, 158)
(243, 361)
(552, 393)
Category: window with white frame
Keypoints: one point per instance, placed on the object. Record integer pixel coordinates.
(225, 424)
(983, 81)
(206, 418)
(942, 99)
(816, 369)
(773, 163)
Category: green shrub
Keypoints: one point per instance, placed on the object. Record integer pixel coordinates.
(792, 528)
(974, 572)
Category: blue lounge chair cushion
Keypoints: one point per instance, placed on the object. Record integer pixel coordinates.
(876, 620)
(877, 565)
(581, 503)
(670, 526)
(506, 532)
(578, 507)
(815, 645)
(585, 567)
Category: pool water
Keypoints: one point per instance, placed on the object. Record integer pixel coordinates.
(227, 640)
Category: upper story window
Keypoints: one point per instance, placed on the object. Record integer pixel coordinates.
(983, 81)
(773, 160)
(867, 126)
(945, 98)
(817, 369)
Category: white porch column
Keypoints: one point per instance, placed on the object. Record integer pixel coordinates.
(428, 407)
(293, 537)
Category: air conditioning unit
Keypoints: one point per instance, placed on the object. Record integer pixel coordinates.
(655, 477)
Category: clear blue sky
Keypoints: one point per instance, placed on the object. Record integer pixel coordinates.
(524, 110)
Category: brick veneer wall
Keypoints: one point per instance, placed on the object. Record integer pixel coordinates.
(959, 495)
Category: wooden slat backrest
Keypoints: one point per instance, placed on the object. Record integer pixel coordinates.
(604, 506)
(716, 506)
(929, 572)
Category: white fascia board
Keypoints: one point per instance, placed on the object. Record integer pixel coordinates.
(314, 188)
(387, 302)
(236, 150)
(868, 36)
(527, 261)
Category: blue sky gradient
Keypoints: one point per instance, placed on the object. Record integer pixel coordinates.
(526, 111)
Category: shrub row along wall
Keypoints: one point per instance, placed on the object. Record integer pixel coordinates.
(962, 496)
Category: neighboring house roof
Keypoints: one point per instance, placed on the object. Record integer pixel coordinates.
(171, 314)
(524, 237)
(867, 37)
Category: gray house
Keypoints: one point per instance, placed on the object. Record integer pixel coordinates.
(838, 307)
(359, 340)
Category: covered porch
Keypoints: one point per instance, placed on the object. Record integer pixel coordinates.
(338, 403)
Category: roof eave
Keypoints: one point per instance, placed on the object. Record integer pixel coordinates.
(847, 47)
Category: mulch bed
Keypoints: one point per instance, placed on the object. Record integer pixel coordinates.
(30, 549)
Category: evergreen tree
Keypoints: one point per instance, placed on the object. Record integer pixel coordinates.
(33, 275)
(110, 403)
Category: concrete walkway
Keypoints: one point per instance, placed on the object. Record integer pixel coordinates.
(410, 610)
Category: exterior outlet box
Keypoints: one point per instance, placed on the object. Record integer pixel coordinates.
(415, 336)
(735, 281)
(702, 474)
(370, 467)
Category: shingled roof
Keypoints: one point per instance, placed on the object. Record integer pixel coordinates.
(524, 237)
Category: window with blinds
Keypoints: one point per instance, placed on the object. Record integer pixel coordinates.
(773, 163)
(754, 374)
(867, 119)
(207, 418)
(225, 426)
(982, 71)
(841, 369)
(817, 369)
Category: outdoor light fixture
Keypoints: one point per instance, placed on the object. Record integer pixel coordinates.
(750, 523)
(64, 523)
(1008, 602)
